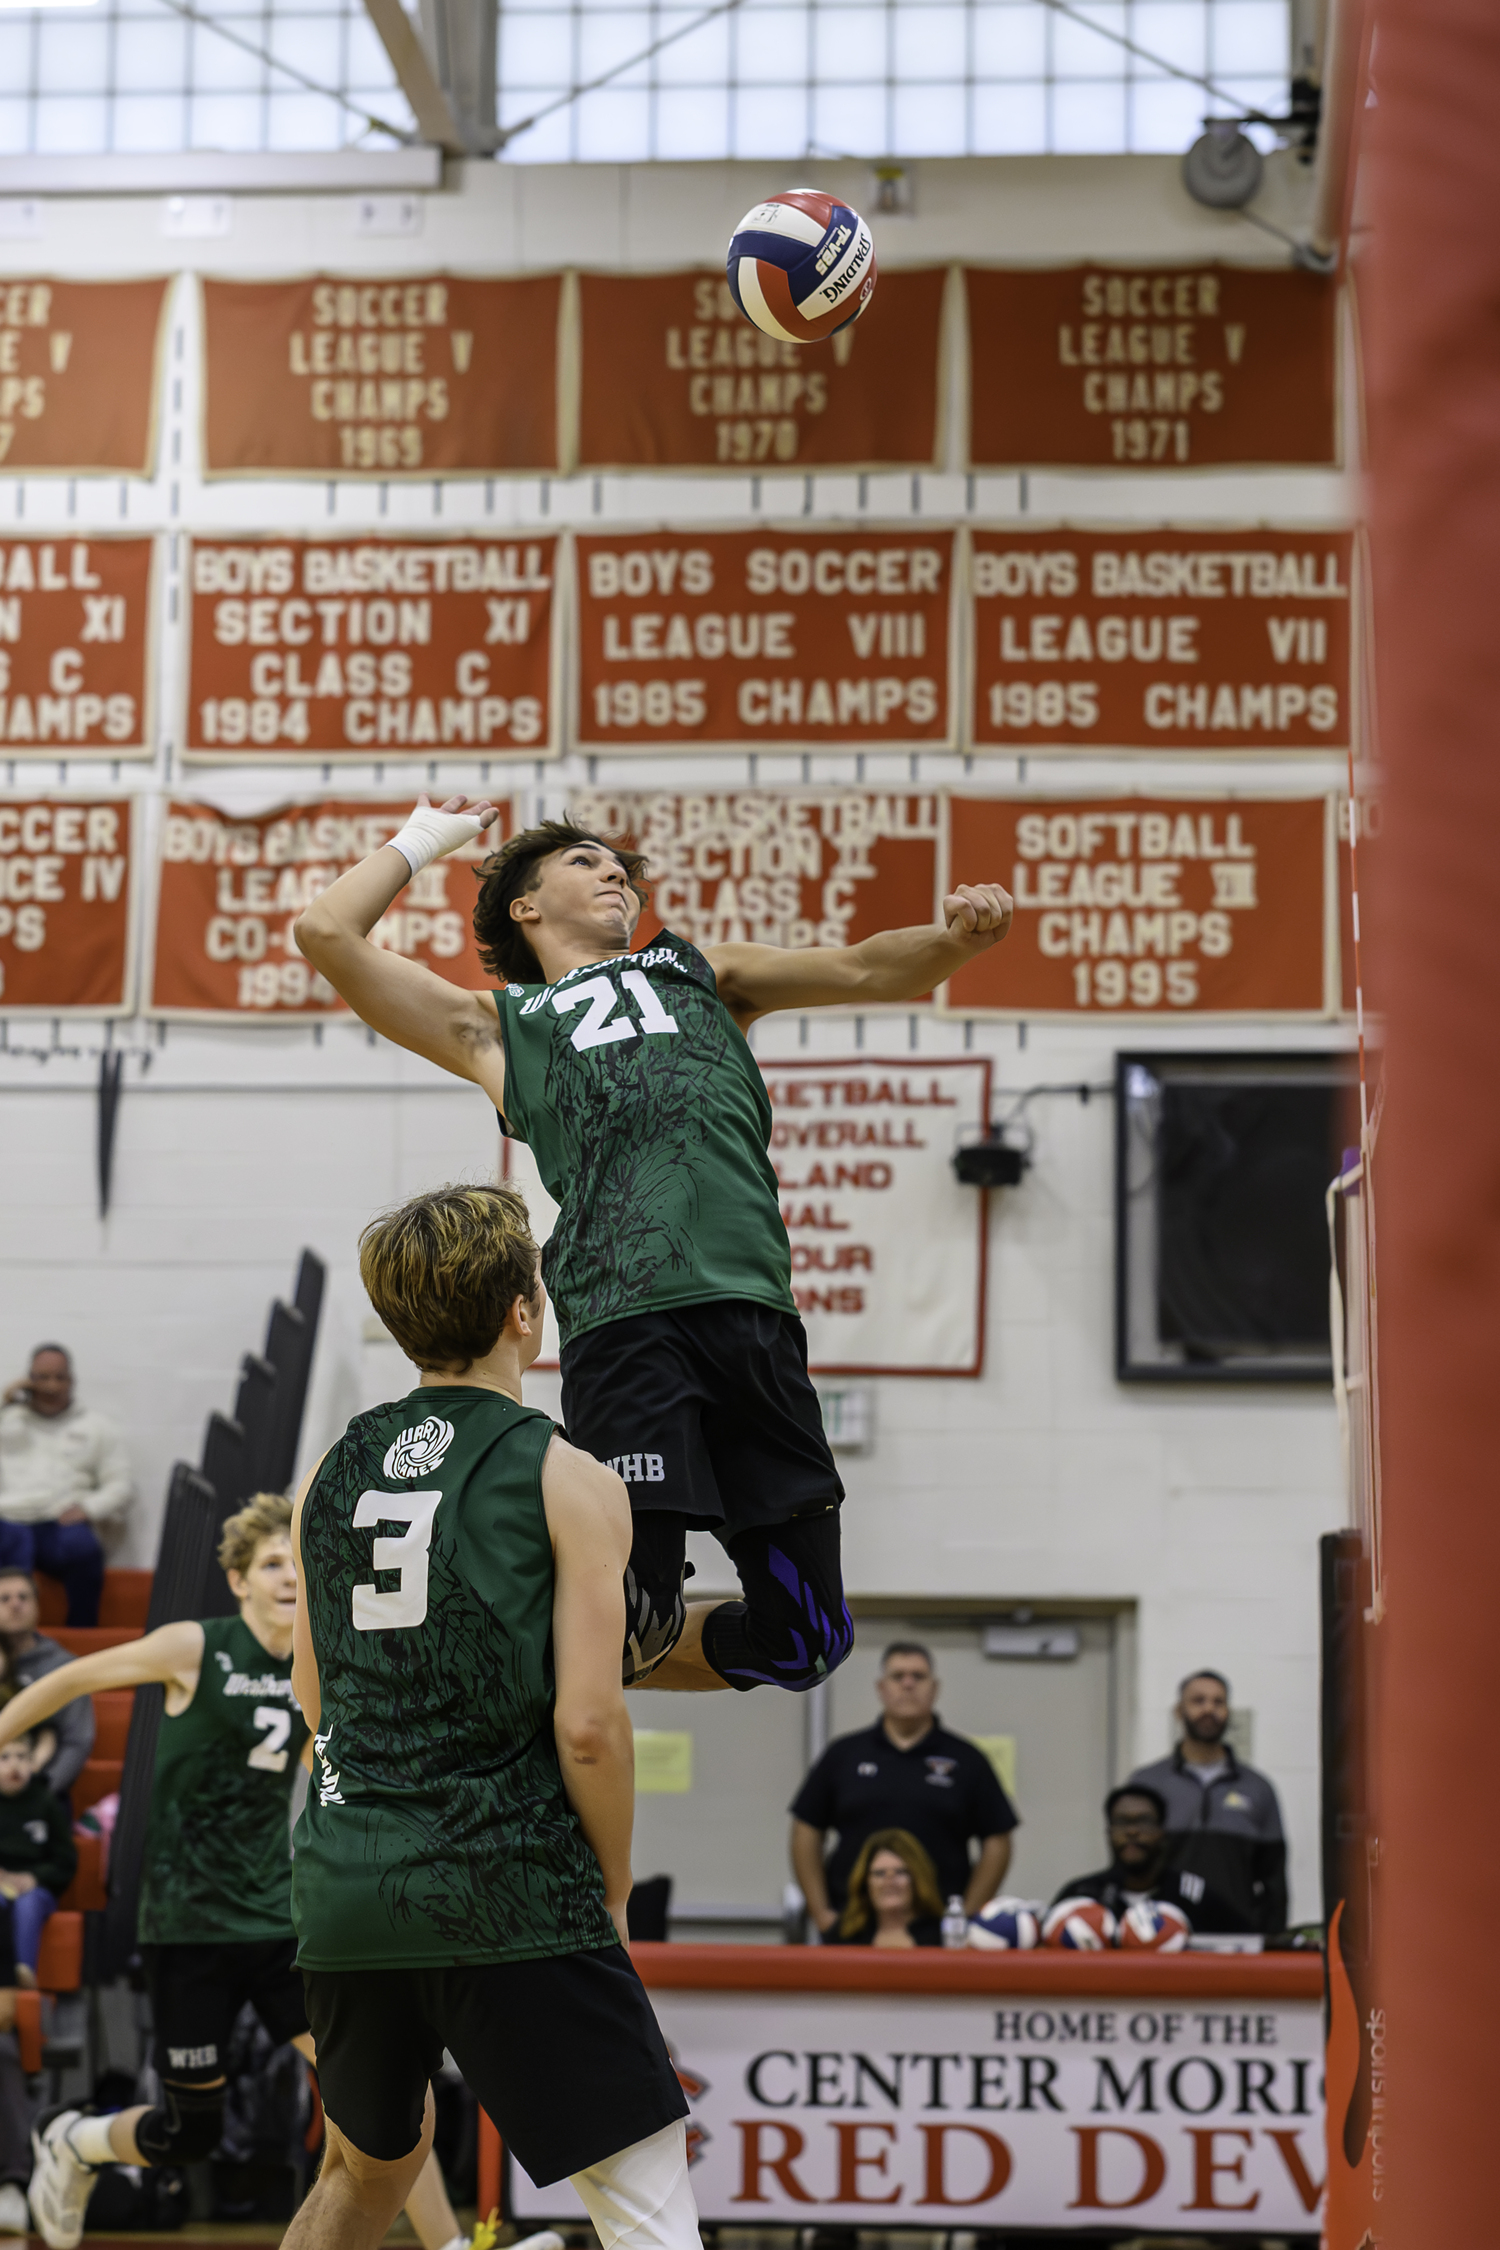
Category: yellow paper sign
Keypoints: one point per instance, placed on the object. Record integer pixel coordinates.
(1000, 1749)
(663, 1762)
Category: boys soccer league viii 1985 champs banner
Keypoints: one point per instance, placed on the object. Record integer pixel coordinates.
(674, 376)
(232, 885)
(67, 880)
(742, 639)
(314, 649)
(428, 375)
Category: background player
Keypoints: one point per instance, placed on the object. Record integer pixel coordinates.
(215, 1921)
(463, 1862)
(684, 1360)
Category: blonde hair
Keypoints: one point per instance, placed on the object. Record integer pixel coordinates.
(267, 1516)
(444, 1270)
(926, 1898)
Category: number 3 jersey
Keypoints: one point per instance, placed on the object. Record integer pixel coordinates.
(437, 1830)
(217, 1868)
(649, 1122)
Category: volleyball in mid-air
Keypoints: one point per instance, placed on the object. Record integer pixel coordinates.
(802, 265)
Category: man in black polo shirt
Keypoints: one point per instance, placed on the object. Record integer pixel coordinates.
(907, 1772)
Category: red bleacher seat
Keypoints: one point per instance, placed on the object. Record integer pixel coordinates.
(124, 1602)
(112, 1722)
(84, 1640)
(98, 1777)
(86, 1892)
(59, 1965)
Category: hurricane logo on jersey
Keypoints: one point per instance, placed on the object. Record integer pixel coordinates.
(418, 1450)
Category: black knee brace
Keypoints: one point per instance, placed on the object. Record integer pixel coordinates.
(655, 1612)
(794, 1627)
(186, 2124)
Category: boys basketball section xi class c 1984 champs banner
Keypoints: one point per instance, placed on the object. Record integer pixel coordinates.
(741, 639)
(674, 377)
(67, 914)
(888, 1250)
(306, 650)
(1161, 640)
(230, 887)
(1141, 905)
(79, 374)
(1166, 367)
(75, 648)
(340, 375)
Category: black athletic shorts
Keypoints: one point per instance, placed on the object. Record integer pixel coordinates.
(198, 1990)
(564, 2055)
(706, 1411)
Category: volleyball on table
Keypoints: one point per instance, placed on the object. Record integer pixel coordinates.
(802, 266)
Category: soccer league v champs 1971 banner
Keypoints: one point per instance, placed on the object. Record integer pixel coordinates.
(231, 886)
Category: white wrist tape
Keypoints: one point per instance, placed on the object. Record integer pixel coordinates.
(430, 834)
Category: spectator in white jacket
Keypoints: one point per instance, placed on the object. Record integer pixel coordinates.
(63, 1469)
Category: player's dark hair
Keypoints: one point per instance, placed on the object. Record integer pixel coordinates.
(513, 871)
(1152, 1796)
(907, 1648)
(1202, 1673)
(444, 1270)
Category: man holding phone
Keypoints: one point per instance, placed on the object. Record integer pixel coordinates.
(63, 1469)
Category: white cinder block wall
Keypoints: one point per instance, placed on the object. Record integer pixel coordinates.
(1043, 1479)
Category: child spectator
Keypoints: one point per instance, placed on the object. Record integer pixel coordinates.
(38, 1857)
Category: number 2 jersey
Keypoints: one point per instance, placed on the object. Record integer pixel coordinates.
(437, 1830)
(217, 1868)
(649, 1121)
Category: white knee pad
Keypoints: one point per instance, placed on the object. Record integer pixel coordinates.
(640, 2198)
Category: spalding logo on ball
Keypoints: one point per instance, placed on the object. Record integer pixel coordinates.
(802, 266)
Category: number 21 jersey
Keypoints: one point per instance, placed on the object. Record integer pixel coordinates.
(649, 1121)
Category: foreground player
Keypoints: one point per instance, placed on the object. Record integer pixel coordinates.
(463, 1862)
(215, 1919)
(684, 1360)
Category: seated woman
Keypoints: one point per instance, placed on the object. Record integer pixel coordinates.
(894, 1900)
(38, 1858)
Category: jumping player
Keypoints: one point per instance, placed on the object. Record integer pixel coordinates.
(215, 1920)
(684, 1360)
(463, 1862)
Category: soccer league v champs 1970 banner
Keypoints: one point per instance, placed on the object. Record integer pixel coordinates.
(305, 650)
(231, 886)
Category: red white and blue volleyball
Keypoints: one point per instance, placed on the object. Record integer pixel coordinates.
(1154, 1925)
(1079, 1925)
(1006, 1925)
(802, 266)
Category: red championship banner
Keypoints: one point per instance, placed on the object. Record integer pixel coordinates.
(1165, 367)
(67, 874)
(1139, 906)
(231, 885)
(75, 633)
(1161, 640)
(312, 649)
(78, 369)
(784, 867)
(740, 639)
(675, 377)
(432, 375)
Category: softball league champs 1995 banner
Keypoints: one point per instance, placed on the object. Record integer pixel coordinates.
(783, 867)
(745, 638)
(1139, 905)
(339, 375)
(1165, 367)
(310, 649)
(1072, 2111)
(1161, 640)
(78, 374)
(674, 376)
(75, 631)
(231, 886)
(67, 869)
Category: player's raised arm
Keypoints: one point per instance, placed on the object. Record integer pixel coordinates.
(173, 1653)
(895, 965)
(400, 999)
(588, 1515)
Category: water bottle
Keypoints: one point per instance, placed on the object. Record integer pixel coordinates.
(955, 1925)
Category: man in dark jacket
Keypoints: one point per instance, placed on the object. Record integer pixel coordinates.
(38, 1858)
(1223, 1818)
(1135, 1820)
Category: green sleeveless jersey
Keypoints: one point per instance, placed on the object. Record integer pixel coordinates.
(217, 1868)
(649, 1121)
(437, 1830)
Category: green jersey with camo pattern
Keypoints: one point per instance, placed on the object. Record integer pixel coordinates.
(437, 1830)
(649, 1122)
(217, 1868)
